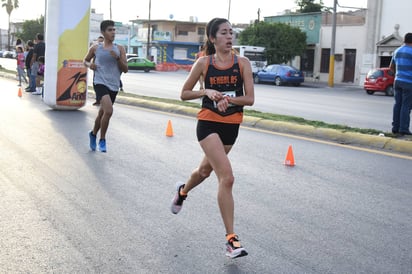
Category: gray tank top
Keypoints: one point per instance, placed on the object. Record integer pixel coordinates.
(107, 72)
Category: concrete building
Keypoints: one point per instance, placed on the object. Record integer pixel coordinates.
(365, 39)
(167, 42)
(387, 22)
(349, 46)
(170, 41)
(15, 27)
(349, 43)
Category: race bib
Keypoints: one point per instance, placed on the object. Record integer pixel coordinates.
(231, 94)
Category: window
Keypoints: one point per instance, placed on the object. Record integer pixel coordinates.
(182, 32)
(324, 60)
(184, 29)
(201, 31)
(180, 54)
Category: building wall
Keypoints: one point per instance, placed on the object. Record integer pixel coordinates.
(395, 12)
(350, 31)
(3, 39)
(382, 18)
(347, 37)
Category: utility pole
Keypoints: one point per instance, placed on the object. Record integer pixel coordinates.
(148, 32)
(228, 11)
(110, 3)
(332, 47)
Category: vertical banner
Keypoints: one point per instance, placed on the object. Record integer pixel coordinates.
(67, 42)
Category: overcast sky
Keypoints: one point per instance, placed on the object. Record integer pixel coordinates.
(240, 11)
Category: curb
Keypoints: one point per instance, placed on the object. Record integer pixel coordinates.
(345, 138)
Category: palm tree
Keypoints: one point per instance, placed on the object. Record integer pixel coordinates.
(9, 5)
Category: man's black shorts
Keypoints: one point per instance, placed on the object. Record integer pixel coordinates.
(102, 90)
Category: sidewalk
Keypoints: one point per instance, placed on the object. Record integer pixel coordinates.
(309, 82)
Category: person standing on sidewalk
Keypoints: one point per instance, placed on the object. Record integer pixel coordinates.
(228, 86)
(21, 65)
(29, 55)
(401, 64)
(109, 62)
(39, 50)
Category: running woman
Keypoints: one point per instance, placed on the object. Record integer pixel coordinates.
(228, 87)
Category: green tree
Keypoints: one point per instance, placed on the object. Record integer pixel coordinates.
(31, 27)
(307, 6)
(282, 42)
(10, 6)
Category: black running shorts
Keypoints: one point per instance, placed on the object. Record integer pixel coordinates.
(102, 90)
(227, 132)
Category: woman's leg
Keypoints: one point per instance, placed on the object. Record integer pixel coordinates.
(216, 155)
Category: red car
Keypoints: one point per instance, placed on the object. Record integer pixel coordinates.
(379, 80)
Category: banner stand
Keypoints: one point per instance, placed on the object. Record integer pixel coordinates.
(67, 42)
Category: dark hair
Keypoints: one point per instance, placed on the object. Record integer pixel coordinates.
(18, 41)
(39, 36)
(408, 38)
(211, 29)
(30, 43)
(105, 24)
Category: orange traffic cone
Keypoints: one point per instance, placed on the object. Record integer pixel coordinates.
(290, 160)
(19, 93)
(169, 129)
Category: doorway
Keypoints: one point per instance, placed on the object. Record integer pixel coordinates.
(385, 61)
(307, 61)
(350, 62)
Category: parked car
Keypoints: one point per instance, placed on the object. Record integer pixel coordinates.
(280, 75)
(140, 63)
(130, 55)
(379, 80)
(9, 54)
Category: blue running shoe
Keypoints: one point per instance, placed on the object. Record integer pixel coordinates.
(92, 141)
(102, 145)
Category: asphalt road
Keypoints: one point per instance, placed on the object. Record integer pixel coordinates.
(344, 104)
(65, 209)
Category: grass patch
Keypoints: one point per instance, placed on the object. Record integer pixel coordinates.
(270, 116)
(7, 70)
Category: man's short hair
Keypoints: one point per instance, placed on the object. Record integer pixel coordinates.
(408, 38)
(105, 24)
(40, 36)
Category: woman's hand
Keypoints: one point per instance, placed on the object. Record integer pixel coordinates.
(213, 95)
(223, 104)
